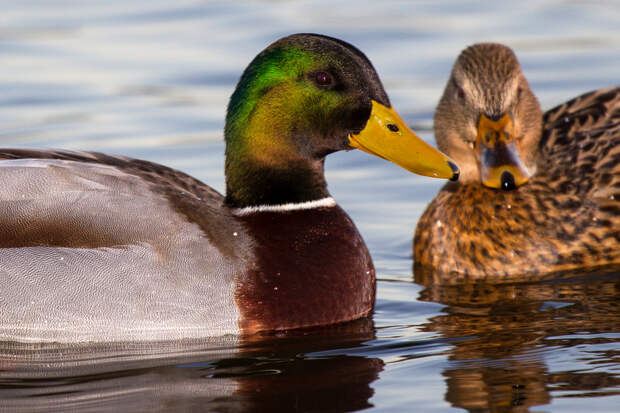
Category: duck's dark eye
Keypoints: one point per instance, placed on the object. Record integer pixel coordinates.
(323, 79)
(459, 90)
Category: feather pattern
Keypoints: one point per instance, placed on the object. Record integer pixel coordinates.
(566, 217)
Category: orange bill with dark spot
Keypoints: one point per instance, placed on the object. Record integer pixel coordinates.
(497, 153)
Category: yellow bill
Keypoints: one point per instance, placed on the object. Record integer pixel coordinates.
(387, 136)
(498, 155)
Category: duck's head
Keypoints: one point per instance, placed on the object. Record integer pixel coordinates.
(301, 98)
(488, 120)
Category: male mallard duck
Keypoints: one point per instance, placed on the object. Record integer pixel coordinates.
(537, 193)
(106, 248)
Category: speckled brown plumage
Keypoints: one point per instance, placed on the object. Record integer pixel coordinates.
(568, 214)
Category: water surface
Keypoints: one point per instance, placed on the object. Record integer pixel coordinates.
(151, 79)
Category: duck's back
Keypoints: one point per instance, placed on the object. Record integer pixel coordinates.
(582, 138)
(580, 157)
(95, 248)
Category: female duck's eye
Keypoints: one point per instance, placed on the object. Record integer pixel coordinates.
(460, 93)
(323, 79)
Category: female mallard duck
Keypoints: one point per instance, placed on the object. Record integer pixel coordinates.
(106, 248)
(537, 193)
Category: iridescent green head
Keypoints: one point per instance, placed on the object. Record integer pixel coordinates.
(300, 99)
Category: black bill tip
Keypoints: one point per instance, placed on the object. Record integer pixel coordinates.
(508, 181)
(455, 171)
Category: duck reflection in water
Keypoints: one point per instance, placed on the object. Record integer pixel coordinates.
(266, 374)
(503, 333)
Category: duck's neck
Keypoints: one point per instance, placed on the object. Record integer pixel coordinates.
(249, 184)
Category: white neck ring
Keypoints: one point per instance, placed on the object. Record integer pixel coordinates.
(317, 203)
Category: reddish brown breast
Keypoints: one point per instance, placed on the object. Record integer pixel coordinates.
(312, 268)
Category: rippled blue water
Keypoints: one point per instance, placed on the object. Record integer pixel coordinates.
(151, 79)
